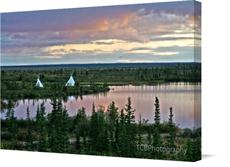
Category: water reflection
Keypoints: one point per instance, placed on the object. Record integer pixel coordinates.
(183, 97)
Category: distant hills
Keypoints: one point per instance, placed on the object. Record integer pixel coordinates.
(98, 65)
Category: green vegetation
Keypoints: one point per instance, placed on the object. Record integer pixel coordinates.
(20, 83)
(113, 132)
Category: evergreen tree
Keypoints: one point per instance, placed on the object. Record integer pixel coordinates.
(29, 137)
(52, 132)
(64, 131)
(41, 127)
(113, 125)
(58, 128)
(122, 118)
(156, 127)
(98, 136)
(130, 130)
(81, 128)
(102, 140)
(130, 117)
(12, 125)
(121, 142)
(172, 129)
(157, 112)
(93, 132)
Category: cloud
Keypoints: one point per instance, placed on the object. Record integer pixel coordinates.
(107, 41)
(48, 57)
(114, 45)
(152, 52)
(137, 25)
(136, 31)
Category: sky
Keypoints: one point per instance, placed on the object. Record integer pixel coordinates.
(145, 33)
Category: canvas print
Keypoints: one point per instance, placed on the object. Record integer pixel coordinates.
(121, 81)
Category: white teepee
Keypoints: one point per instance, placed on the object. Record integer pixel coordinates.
(70, 82)
(39, 83)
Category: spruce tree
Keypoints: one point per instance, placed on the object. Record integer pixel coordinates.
(81, 128)
(58, 128)
(29, 137)
(52, 132)
(94, 131)
(172, 129)
(130, 117)
(65, 131)
(122, 117)
(98, 132)
(41, 127)
(130, 138)
(121, 138)
(156, 126)
(112, 123)
(12, 125)
(102, 140)
(157, 112)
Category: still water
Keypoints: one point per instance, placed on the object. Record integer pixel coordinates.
(184, 98)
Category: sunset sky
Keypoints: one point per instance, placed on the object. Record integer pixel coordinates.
(158, 32)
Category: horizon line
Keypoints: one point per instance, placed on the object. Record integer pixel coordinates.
(15, 65)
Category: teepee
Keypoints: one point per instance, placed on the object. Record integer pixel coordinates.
(39, 83)
(70, 82)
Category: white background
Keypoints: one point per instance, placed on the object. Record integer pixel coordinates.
(215, 91)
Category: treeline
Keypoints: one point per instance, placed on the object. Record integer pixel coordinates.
(22, 90)
(113, 133)
(20, 83)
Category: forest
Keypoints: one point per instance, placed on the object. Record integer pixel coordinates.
(113, 132)
(19, 83)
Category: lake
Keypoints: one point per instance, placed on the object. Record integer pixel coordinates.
(184, 98)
